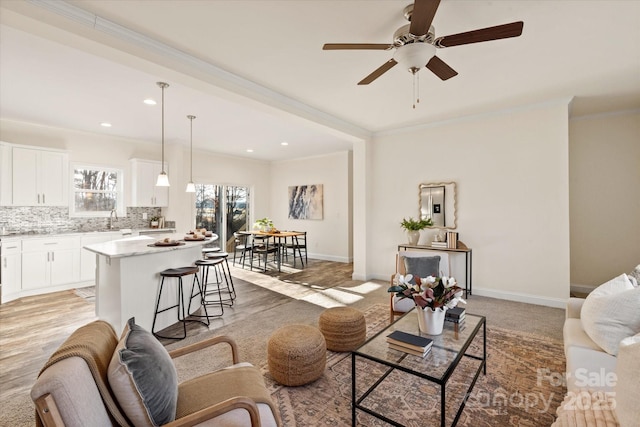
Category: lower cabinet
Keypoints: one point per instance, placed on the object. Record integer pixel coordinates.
(11, 268)
(37, 265)
(50, 262)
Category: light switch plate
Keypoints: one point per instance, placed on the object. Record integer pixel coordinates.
(144, 215)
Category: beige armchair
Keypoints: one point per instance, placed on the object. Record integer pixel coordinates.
(74, 387)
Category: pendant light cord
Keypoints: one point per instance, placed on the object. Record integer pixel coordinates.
(191, 117)
(162, 127)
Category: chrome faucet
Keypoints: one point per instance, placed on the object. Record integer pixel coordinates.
(111, 214)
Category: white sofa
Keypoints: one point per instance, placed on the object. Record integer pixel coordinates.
(603, 386)
(588, 365)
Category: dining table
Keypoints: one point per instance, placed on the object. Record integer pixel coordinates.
(278, 236)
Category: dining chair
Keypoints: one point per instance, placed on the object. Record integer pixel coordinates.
(262, 246)
(299, 243)
(241, 243)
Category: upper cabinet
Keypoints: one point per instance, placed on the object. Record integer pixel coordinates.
(38, 177)
(144, 191)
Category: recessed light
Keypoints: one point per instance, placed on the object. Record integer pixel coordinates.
(284, 143)
(249, 150)
(105, 124)
(150, 101)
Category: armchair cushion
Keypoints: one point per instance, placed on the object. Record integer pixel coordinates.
(143, 378)
(610, 313)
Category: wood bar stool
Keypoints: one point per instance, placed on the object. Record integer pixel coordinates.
(178, 273)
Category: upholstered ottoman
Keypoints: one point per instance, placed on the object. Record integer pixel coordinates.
(344, 328)
(296, 354)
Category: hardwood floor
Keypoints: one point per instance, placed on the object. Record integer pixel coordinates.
(32, 328)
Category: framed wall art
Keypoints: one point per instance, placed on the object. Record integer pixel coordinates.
(305, 201)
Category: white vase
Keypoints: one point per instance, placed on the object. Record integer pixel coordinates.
(431, 321)
(414, 236)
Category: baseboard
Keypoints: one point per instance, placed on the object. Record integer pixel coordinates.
(520, 297)
(330, 258)
(585, 289)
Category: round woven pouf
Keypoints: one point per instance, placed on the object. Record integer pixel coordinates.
(296, 354)
(344, 328)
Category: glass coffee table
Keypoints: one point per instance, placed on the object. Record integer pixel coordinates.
(447, 352)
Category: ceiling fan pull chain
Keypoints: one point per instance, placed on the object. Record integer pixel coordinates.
(416, 87)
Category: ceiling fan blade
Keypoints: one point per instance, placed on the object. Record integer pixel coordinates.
(505, 31)
(422, 16)
(348, 46)
(441, 69)
(377, 73)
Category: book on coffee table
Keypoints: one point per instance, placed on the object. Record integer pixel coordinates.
(455, 314)
(409, 341)
(409, 350)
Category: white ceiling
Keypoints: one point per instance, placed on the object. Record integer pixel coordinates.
(255, 74)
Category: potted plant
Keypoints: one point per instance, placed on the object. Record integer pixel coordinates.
(263, 224)
(413, 228)
(155, 221)
(432, 297)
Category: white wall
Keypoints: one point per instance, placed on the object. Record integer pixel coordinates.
(329, 238)
(604, 164)
(511, 170)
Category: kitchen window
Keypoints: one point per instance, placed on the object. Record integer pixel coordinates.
(96, 191)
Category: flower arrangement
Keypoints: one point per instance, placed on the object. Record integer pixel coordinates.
(429, 292)
(263, 224)
(415, 225)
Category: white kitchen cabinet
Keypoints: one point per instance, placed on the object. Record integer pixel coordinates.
(11, 268)
(50, 262)
(144, 191)
(39, 177)
(88, 259)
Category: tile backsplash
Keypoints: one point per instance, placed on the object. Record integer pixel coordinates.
(52, 219)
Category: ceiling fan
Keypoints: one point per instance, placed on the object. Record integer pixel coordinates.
(415, 43)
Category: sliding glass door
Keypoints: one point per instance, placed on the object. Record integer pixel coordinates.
(222, 209)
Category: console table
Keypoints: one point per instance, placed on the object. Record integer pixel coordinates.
(467, 258)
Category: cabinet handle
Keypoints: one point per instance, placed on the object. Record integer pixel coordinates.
(5, 262)
(51, 243)
(11, 247)
(53, 256)
(38, 198)
(43, 202)
(48, 256)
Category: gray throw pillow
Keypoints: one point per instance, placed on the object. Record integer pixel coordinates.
(143, 378)
(422, 266)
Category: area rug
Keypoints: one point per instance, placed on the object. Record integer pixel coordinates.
(519, 389)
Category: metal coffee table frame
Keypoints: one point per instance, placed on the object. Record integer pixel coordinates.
(450, 344)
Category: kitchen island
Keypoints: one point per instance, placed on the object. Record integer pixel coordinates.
(128, 278)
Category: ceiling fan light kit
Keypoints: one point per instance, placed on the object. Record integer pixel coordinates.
(415, 44)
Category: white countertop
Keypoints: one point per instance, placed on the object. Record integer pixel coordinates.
(139, 245)
(123, 231)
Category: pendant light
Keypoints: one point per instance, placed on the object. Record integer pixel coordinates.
(191, 188)
(163, 179)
